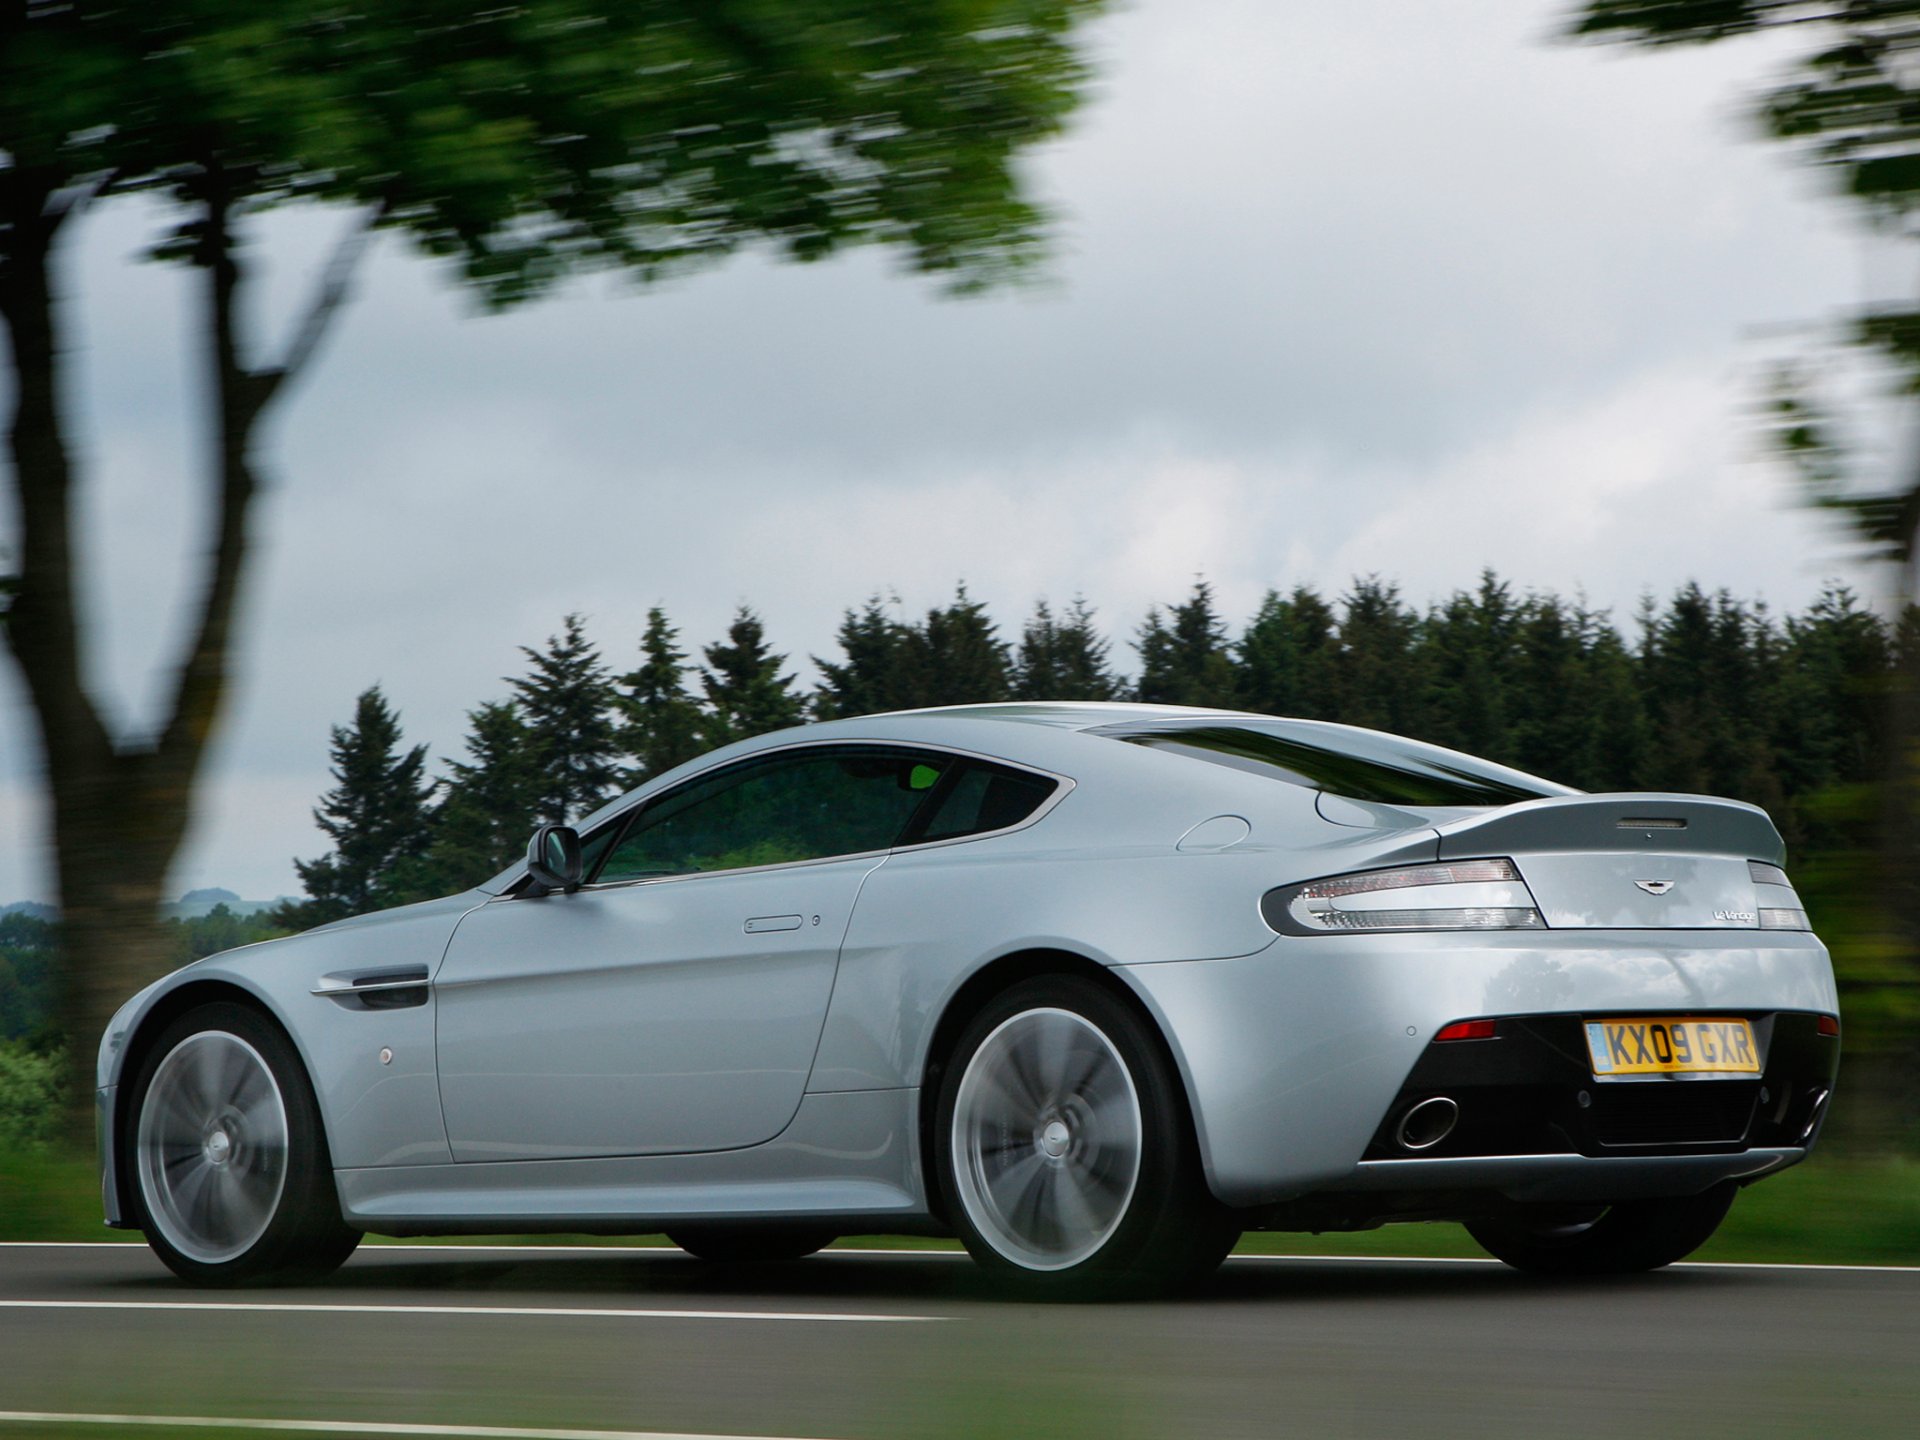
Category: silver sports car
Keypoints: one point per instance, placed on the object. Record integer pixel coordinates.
(1094, 987)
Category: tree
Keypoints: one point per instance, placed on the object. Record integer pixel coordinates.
(520, 142)
(1186, 661)
(874, 674)
(489, 805)
(659, 718)
(1377, 682)
(956, 657)
(1572, 696)
(1848, 101)
(1064, 659)
(566, 701)
(376, 815)
(1287, 656)
(1469, 644)
(746, 693)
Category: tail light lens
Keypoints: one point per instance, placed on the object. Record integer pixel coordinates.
(1455, 895)
(1770, 883)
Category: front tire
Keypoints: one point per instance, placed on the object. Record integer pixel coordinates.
(1622, 1239)
(230, 1174)
(1065, 1151)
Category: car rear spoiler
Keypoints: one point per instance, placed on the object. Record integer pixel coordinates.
(1669, 824)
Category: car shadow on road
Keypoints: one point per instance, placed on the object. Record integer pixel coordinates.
(622, 1278)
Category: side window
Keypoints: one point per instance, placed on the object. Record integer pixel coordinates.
(801, 805)
(986, 797)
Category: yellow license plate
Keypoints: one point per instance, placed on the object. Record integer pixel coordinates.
(1659, 1046)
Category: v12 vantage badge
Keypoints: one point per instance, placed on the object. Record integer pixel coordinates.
(1096, 988)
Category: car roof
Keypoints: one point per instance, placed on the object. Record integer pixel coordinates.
(1070, 714)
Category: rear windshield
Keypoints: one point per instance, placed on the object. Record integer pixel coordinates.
(1357, 764)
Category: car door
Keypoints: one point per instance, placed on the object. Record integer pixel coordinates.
(674, 1003)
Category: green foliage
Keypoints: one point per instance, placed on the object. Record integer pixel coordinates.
(1288, 656)
(376, 815)
(1064, 659)
(1847, 102)
(746, 693)
(29, 955)
(566, 701)
(525, 141)
(29, 1089)
(489, 805)
(874, 676)
(956, 656)
(219, 929)
(1184, 659)
(659, 719)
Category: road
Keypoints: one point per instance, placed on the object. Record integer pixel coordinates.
(875, 1346)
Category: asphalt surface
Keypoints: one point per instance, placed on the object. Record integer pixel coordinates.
(873, 1347)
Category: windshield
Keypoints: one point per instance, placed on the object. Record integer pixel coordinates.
(1340, 760)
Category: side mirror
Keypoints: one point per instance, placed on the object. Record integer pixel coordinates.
(553, 859)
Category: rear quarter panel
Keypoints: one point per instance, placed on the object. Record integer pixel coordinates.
(1099, 877)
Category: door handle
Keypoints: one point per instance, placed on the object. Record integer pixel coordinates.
(760, 924)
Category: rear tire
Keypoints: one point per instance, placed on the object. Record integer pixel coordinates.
(760, 1246)
(1065, 1151)
(1623, 1239)
(226, 1157)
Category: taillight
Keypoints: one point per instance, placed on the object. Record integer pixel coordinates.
(1828, 1025)
(1776, 916)
(1453, 895)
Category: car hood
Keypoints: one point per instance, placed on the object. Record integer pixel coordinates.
(451, 906)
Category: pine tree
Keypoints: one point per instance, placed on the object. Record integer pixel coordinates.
(875, 674)
(567, 702)
(1468, 648)
(746, 693)
(660, 719)
(1378, 681)
(957, 656)
(1832, 722)
(376, 815)
(1287, 657)
(1064, 659)
(1184, 659)
(491, 803)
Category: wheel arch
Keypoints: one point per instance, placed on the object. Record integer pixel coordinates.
(976, 992)
(146, 1031)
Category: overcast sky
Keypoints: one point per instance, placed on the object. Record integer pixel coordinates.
(1349, 289)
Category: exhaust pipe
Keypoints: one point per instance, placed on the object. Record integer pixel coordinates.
(1815, 1113)
(1426, 1124)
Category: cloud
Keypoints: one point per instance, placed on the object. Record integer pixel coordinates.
(1368, 288)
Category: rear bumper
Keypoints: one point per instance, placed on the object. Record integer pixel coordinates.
(1533, 1178)
(1293, 1057)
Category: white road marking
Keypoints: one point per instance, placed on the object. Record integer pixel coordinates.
(354, 1427)
(381, 1248)
(546, 1311)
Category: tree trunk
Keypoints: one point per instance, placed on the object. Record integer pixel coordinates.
(119, 811)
